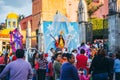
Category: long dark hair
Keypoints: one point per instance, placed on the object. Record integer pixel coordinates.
(33, 61)
(101, 52)
(69, 56)
(62, 39)
(41, 56)
(6, 58)
(118, 55)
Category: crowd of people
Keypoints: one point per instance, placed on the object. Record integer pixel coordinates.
(87, 62)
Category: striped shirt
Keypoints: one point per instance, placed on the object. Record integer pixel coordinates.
(42, 63)
(18, 69)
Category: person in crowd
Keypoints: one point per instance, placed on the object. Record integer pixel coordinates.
(105, 45)
(86, 48)
(89, 44)
(51, 53)
(57, 66)
(14, 57)
(68, 70)
(93, 51)
(81, 60)
(65, 50)
(35, 65)
(10, 57)
(100, 44)
(74, 52)
(117, 66)
(6, 58)
(18, 69)
(50, 71)
(64, 58)
(111, 63)
(82, 76)
(1, 59)
(96, 44)
(42, 67)
(100, 66)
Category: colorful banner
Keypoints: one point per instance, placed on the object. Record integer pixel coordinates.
(70, 33)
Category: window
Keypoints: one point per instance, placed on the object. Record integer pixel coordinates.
(14, 24)
(9, 24)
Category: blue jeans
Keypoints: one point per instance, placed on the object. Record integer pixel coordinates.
(100, 76)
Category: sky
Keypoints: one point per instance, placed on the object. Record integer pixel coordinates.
(20, 7)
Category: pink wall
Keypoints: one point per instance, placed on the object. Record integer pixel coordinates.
(102, 11)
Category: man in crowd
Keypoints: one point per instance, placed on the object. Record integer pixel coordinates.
(18, 69)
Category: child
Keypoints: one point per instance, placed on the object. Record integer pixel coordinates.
(82, 74)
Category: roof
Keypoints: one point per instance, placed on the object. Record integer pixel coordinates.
(12, 16)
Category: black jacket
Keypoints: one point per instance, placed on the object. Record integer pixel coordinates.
(100, 64)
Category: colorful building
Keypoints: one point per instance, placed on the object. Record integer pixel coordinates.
(47, 9)
(12, 20)
(103, 10)
(24, 25)
(11, 23)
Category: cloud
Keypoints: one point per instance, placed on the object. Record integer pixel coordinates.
(17, 6)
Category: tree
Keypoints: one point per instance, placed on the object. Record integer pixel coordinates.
(92, 8)
(1, 27)
(100, 26)
(20, 18)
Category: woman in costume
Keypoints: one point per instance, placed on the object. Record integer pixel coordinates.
(60, 42)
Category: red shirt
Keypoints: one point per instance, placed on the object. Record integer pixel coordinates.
(1, 60)
(50, 67)
(81, 61)
(14, 58)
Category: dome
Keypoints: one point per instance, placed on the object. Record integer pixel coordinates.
(12, 16)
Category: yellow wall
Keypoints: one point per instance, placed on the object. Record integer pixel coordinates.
(49, 8)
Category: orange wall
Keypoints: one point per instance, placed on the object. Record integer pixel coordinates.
(50, 7)
(72, 10)
(47, 9)
(36, 13)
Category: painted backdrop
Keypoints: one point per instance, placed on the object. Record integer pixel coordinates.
(53, 30)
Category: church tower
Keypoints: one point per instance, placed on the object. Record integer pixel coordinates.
(82, 19)
(114, 25)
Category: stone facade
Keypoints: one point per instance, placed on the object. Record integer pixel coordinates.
(114, 26)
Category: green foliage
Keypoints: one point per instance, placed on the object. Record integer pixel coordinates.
(88, 1)
(1, 27)
(20, 18)
(99, 26)
(92, 8)
(97, 23)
